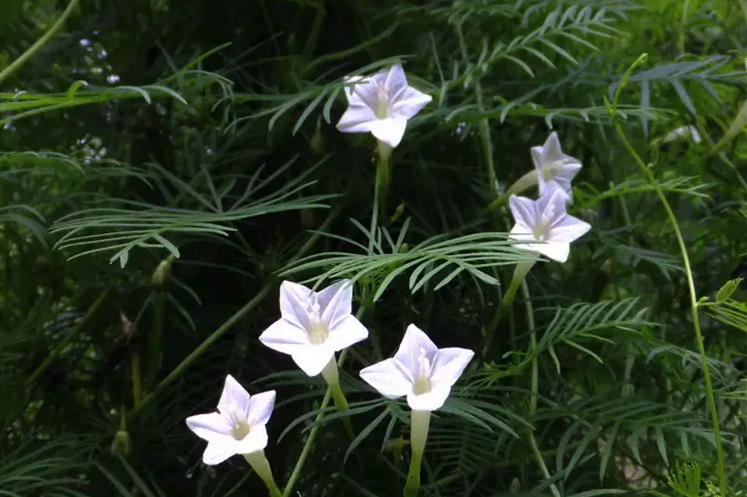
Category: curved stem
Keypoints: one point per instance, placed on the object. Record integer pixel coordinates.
(380, 190)
(535, 387)
(259, 463)
(31, 51)
(710, 397)
(419, 424)
(296, 474)
(84, 321)
(228, 324)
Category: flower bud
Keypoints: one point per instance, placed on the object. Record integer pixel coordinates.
(163, 271)
(317, 141)
(121, 445)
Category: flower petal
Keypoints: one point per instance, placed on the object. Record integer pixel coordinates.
(294, 304)
(218, 451)
(284, 337)
(260, 408)
(552, 204)
(336, 302)
(409, 102)
(522, 233)
(557, 251)
(449, 365)
(312, 359)
(351, 82)
(255, 441)
(389, 130)
(551, 150)
(356, 119)
(233, 398)
(429, 401)
(568, 229)
(524, 211)
(546, 186)
(346, 332)
(408, 353)
(388, 378)
(209, 427)
(394, 82)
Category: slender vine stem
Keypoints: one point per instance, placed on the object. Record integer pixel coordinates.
(83, 322)
(39, 44)
(384, 153)
(228, 324)
(296, 473)
(710, 397)
(535, 386)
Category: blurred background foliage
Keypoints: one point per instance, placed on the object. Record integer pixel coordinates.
(164, 165)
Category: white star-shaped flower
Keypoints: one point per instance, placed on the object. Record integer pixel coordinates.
(545, 224)
(239, 425)
(381, 104)
(419, 370)
(552, 165)
(314, 325)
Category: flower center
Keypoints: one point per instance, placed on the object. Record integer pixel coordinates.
(423, 381)
(240, 429)
(552, 170)
(318, 331)
(540, 231)
(382, 107)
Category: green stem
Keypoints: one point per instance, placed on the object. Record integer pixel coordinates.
(419, 424)
(235, 318)
(380, 190)
(535, 387)
(137, 389)
(520, 272)
(710, 397)
(482, 125)
(31, 51)
(154, 344)
(83, 322)
(296, 473)
(261, 466)
(332, 377)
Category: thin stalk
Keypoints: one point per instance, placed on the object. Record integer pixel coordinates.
(154, 344)
(419, 424)
(535, 387)
(83, 322)
(137, 388)
(332, 377)
(31, 51)
(296, 473)
(381, 188)
(235, 318)
(261, 466)
(710, 397)
(482, 125)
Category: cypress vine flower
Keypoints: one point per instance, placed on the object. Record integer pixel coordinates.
(544, 225)
(425, 374)
(238, 427)
(419, 370)
(314, 326)
(381, 104)
(552, 165)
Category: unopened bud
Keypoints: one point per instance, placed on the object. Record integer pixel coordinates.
(163, 271)
(396, 446)
(317, 141)
(121, 445)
